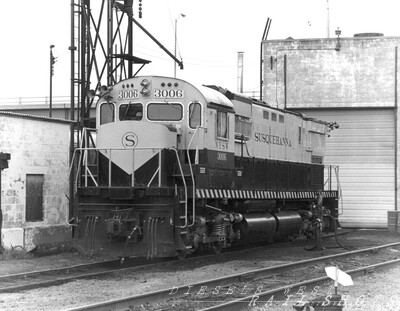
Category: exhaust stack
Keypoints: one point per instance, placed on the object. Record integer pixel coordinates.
(240, 72)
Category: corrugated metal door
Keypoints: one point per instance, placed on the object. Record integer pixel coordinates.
(363, 147)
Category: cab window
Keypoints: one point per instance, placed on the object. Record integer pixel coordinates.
(164, 112)
(130, 112)
(222, 124)
(107, 113)
(194, 115)
(242, 127)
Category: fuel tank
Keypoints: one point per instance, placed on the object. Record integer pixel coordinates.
(267, 227)
(257, 227)
(288, 224)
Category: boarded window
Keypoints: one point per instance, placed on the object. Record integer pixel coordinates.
(34, 197)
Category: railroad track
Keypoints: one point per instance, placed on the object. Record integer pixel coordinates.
(260, 298)
(51, 277)
(242, 288)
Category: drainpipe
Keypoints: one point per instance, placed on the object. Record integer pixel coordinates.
(285, 81)
(395, 131)
(1, 217)
(4, 157)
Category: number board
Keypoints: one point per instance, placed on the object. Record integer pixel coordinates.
(128, 94)
(168, 93)
(157, 93)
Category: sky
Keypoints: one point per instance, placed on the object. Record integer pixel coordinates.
(209, 37)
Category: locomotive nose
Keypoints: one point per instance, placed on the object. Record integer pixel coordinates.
(138, 143)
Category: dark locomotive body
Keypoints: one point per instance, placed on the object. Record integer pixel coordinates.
(177, 168)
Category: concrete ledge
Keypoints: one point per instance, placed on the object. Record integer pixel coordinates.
(36, 237)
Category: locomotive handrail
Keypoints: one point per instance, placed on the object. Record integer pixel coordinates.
(185, 187)
(83, 159)
(329, 178)
(192, 175)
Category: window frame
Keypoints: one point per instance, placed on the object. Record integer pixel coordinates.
(245, 127)
(218, 128)
(148, 108)
(192, 104)
(130, 104)
(101, 121)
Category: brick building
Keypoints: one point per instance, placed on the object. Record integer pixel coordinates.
(35, 186)
(352, 81)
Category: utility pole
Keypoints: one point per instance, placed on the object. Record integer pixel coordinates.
(52, 61)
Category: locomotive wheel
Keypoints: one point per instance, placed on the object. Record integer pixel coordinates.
(181, 254)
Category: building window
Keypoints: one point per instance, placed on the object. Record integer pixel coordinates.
(222, 124)
(107, 113)
(281, 119)
(266, 115)
(194, 115)
(130, 112)
(273, 116)
(34, 197)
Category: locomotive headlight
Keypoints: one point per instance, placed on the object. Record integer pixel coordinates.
(145, 83)
(146, 87)
(145, 92)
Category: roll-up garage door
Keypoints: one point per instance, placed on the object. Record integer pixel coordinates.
(364, 148)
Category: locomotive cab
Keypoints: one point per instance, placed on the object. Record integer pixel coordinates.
(153, 114)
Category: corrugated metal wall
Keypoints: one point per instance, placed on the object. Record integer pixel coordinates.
(364, 148)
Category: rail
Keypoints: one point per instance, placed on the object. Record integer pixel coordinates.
(237, 281)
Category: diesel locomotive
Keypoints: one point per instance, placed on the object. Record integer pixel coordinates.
(172, 168)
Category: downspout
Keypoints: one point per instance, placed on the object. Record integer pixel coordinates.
(284, 80)
(4, 157)
(395, 132)
(1, 217)
(72, 48)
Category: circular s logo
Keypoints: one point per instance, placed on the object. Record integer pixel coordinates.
(129, 140)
